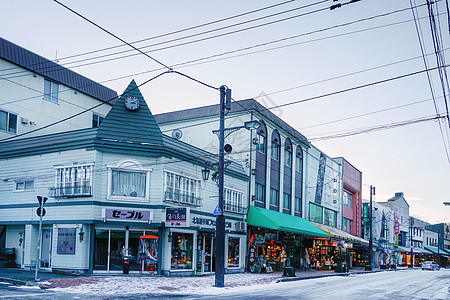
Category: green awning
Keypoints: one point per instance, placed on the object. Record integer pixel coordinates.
(260, 217)
(434, 250)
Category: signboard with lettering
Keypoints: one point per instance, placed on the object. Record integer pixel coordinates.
(207, 222)
(177, 216)
(129, 215)
(66, 241)
(397, 227)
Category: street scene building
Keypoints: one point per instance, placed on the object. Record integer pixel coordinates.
(118, 189)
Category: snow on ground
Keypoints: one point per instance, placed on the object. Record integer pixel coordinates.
(406, 284)
(107, 285)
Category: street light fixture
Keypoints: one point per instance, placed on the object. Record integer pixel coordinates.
(446, 203)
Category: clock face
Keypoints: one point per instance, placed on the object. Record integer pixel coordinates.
(132, 103)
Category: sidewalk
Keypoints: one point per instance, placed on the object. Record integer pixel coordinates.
(65, 279)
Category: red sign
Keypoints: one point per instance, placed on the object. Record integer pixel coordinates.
(397, 227)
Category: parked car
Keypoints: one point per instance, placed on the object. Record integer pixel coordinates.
(430, 265)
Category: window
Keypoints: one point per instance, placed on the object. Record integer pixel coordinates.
(261, 146)
(233, 201)
(260, 193)
(330, 217)
(128, 183)
(347, 199)
(298, 205)
(347, 225)
(74, 181)
(96, 120)
(288, 153)
(8, 121)
(233, 252)
(275, 153)
(181, 254)
(181, 189)
(25, 185)
(315, 213)
(299, 161)
(51, 90)
(274, 197)
(287, 201)
(128, 180)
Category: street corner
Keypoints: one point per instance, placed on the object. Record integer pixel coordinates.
(66, 282)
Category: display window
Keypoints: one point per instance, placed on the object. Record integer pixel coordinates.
(182, 249)
(233, 252)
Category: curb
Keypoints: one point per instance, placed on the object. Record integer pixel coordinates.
(19, 282)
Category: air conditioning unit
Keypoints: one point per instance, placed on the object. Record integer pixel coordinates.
(241, 226)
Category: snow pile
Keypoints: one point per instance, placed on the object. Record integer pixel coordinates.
(169, 285)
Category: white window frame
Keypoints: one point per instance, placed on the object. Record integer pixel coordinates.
(53, 94)
(241, 255)
(24, 182)
(67, 171)
(185, 180)
(129, 165)
(236, 203)
(98, 118)
(8, 121)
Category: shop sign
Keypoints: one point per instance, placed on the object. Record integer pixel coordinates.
(397, 227)
(348, 245)
(128, 215)
(177, 216)
(396, 240)
(66, 241)
(208, 222)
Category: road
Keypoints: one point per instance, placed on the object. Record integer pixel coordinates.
(406, 284)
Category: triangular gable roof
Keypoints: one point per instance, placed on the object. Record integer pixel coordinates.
(124, 125)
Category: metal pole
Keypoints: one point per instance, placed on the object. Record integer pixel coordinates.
(38, 260)
(220, 220)
(411, 223)
(370, 231)
(439, 244)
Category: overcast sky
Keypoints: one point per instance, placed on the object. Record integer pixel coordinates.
(297, 54)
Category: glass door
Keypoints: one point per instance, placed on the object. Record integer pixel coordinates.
(117, 245)
(46, 249)
(101, 249)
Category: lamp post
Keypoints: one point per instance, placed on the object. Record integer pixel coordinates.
(225, 105)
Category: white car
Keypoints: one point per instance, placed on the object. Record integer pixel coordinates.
(430, 265)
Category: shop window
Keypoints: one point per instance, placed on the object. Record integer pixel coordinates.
(74, 181)
(330, 217)
(233, 201)
(347, 199)
(233, 252)
(51, 90)
(181, 254)
(8, 121)
(260, 193)
(181, 189)
(274, 197)
(315, 213)
(128, 180)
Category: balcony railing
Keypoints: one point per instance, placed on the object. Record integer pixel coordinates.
(182, 198)
(70, 191)
(239, 209)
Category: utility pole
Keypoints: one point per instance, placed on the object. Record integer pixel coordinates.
(220, 220)
(411, 224)
(372, 192)
(40, 212)
(439, 244)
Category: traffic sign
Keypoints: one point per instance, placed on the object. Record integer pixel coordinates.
(39, 211)
(217, 211)
(42, 200)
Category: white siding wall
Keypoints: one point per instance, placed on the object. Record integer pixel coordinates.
(25, 92)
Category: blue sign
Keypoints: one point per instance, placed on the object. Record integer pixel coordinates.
(217, 211)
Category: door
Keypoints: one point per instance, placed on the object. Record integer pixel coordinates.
(206, 255)
(46, 249)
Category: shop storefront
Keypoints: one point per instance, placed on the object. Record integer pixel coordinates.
(277, 240)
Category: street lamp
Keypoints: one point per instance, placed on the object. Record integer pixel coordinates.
(446, 203)
(370, 266)
(225, 105)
